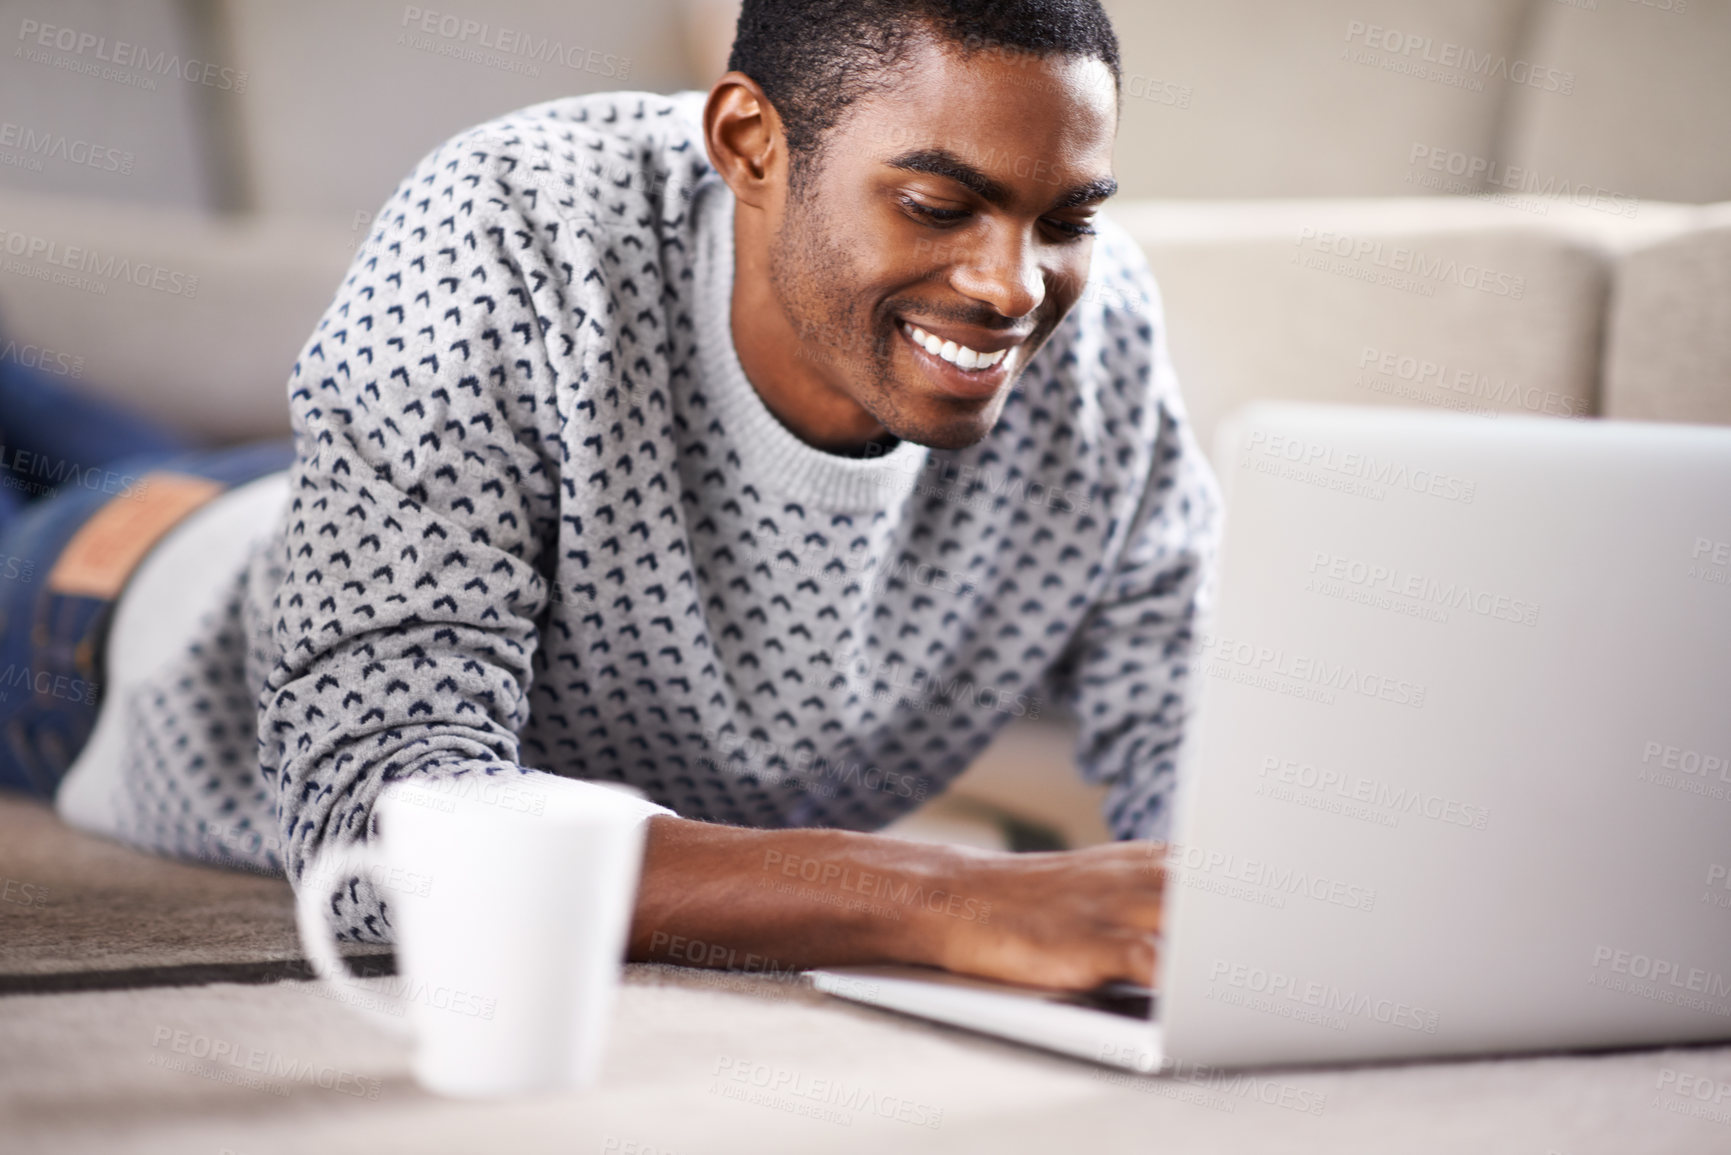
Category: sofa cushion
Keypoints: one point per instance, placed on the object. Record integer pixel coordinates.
(1668, 343)
(1650, 99)
(1268, 98)
(196, 320)
(98, 102)
(1453, 303)
(347, 97)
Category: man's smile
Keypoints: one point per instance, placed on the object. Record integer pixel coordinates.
(972, 367)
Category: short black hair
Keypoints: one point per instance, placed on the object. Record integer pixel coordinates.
(816, 58)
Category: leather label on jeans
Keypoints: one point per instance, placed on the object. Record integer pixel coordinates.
(108, 547)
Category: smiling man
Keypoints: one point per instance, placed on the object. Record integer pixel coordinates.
(943, 259)
(767, 452)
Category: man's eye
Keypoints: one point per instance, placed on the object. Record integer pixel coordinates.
(942, 216)
(1070, 228)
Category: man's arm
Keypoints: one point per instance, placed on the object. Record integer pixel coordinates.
(776, 900)
(405, 617)
(1126, 676)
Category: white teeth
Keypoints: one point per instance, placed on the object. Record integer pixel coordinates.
(959, 355)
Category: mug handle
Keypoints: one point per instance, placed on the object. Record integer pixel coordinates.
(311, 899)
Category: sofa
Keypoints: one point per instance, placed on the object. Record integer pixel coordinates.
(1485, 206)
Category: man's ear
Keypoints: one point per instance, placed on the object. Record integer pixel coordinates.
(744, 139)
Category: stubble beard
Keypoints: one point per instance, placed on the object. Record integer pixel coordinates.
(812, 280)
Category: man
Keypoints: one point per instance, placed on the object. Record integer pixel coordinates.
(772, 484)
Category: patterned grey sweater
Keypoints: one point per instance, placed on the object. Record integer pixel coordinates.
(540, 522)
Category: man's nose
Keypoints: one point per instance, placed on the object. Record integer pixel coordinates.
(1003, 271)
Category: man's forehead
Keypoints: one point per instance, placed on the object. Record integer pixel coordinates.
(980, 106)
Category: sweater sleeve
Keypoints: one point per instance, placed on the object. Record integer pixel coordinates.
(423, 495)
(1127, 674)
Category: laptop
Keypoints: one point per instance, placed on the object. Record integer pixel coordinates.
(1458, 780)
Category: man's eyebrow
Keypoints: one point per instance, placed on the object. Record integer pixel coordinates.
(1091, 193)
(942, 162)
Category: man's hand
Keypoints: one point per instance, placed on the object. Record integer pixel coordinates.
(788, 899)
(1072, 919)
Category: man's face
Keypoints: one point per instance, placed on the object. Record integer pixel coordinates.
(956, 203)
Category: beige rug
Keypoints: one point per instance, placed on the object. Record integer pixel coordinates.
(131, 1071)
(81, 912)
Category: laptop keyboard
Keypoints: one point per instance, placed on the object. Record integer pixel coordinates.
(1117, 998)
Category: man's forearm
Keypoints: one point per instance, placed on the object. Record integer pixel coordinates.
(791, 898)
(780, 900)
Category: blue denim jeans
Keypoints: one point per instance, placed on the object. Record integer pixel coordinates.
(63, 457)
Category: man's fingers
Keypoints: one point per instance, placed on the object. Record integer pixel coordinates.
(1140, 959)
(1142, 911)
(1127, 957)
(1130, 900)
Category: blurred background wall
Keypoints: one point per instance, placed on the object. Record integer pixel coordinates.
(318, 107)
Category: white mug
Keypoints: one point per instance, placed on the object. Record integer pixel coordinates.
(510, 897)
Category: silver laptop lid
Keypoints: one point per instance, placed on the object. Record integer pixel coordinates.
(1460, 779)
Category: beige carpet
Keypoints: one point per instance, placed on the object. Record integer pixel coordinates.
(85, 1066)
(78, 912)
(115, 1071)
